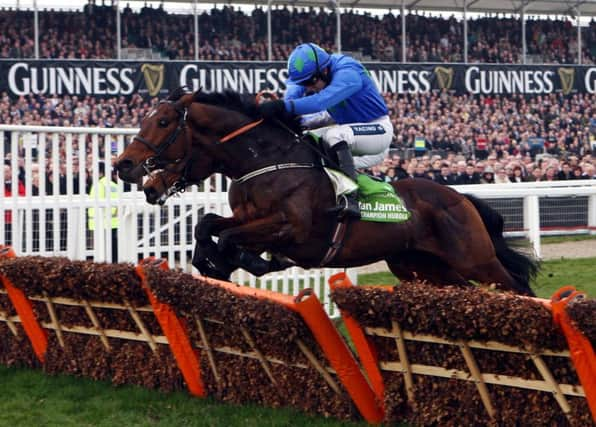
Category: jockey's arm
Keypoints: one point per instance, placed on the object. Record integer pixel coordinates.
(293, 90)
(316, 120)
(344, 84)
(308, 121)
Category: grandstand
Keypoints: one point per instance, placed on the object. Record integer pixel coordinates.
(542, 32)
(230, 34)
(454, 125)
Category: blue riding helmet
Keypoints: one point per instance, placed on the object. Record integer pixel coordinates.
(306, 61)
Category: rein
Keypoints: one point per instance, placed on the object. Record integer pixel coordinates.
(271, 168)
(240, 131)
(180, 185)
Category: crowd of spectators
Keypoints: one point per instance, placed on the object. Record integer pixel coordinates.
(229, 34)
(68, 110)
(450, 139)
(454, 169)
(468, 140)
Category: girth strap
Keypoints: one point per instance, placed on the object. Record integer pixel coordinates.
(337, 241)
(273, 168)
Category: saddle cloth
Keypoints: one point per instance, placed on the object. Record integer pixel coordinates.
(378, 200)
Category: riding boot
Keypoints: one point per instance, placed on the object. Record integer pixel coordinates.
(348, 206)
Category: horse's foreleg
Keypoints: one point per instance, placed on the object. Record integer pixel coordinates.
(261, 232)
(210, 262)
(211, 225)
(229, 255)
(206, 257)
(255, 264)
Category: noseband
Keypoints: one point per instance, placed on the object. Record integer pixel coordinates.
(156, 161)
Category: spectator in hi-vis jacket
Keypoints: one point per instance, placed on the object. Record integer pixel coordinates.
(110, 219)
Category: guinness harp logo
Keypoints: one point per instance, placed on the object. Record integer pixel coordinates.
(153, 77)
(444, 77)
(567, 76)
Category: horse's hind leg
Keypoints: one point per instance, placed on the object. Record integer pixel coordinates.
(420, 265)
(493, 272)
(475, 256)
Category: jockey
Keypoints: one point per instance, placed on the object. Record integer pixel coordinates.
(356, 115)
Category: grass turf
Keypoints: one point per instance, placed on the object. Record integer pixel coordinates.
(32, 398)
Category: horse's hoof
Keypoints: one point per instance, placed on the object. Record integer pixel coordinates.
(210, 262)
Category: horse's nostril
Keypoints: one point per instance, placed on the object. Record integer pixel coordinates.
(125, 165)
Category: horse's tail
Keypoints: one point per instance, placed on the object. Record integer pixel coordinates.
(519, 265)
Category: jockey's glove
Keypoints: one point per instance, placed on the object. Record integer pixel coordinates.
(272, 109)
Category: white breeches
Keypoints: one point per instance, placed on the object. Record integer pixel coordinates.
(369, 142)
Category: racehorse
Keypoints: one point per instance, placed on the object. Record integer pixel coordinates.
(281, 197)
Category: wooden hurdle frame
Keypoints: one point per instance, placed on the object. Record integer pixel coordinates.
(152, 340)
(374, 367)
(332, 360)
(547, 384)
(339, 360)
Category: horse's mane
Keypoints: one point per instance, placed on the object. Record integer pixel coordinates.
(231, 100)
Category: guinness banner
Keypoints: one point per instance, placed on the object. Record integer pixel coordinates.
(118, 78)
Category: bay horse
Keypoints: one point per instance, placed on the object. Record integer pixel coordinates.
(281, 197)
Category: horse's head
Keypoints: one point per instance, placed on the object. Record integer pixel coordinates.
(162, 141)
(189, 136)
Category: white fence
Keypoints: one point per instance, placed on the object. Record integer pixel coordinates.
(59, 164)
(530, 194)
(50, 218)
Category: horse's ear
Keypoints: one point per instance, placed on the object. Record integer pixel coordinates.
(188, 98)
(195, 95)
(185, 100)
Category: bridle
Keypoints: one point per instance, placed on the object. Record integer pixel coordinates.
(152, 163)
(157, 162)
(179, 186)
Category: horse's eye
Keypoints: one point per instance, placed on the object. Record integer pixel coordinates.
(163, 123)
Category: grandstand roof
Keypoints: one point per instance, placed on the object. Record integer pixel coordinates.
(542, 7)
